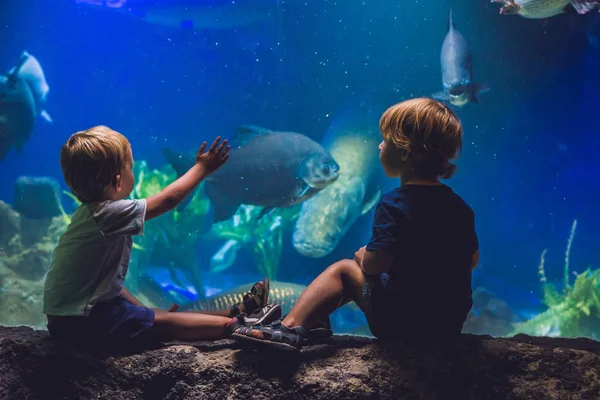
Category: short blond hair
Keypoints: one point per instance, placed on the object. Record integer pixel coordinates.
(91, 159)
(428, 131)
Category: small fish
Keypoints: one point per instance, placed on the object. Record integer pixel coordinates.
(266, 168)
(537, 9)
(283, 293)
(457, 70)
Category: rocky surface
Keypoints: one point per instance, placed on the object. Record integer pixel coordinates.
(32, 365)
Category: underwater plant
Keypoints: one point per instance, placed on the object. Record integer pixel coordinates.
(572, 312)
(263, 235)
(169, 240)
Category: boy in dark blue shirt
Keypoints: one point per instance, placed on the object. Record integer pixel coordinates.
(413, 279)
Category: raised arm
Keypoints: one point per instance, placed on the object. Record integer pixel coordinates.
(206, 163)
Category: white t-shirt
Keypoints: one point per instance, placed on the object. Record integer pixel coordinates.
(90, 262)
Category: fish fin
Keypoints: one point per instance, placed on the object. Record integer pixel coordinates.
(44, 114)
(305, 191)
(224, 211)
(582, 6)
(14, 71)
(245, 133)
(266, 211)
(441, 95)
(221, 208)
(450, 20)
(251, 129)
(481, 88)
(180, 162)
(368, 205)
(478, 89)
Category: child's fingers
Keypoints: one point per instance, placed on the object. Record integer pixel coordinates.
(214, 145)
(202, 147)
(222, 146)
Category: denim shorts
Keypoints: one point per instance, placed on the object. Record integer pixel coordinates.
(115, 319)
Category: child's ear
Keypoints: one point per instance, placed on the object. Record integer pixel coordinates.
(118, 182)
(403, 155)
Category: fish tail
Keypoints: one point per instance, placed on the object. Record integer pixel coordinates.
(450, 20)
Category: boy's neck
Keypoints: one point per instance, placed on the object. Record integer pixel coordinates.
(417, 181)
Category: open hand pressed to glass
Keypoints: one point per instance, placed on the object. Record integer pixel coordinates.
(215, 157)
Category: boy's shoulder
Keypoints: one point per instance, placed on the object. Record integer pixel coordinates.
(403, 197)
(107, 207)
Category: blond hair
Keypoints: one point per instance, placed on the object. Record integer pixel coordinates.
(91, 159)
(429, 132)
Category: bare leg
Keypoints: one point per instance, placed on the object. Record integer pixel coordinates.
(220, 313)
(188, 326)
(334, 287)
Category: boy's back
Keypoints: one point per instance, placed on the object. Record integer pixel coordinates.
(430, 231)
(90, 261)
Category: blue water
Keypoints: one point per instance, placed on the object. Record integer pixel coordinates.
(529, 165)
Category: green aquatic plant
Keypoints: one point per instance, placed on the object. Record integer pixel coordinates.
(149, 182)
(572, 312)
(264, 236)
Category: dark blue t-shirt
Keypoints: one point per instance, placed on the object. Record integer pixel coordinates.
(431, 232)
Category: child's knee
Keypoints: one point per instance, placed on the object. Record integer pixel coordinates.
(349, 271)
(343, 267)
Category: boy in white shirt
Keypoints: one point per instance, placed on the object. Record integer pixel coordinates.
(84, 293)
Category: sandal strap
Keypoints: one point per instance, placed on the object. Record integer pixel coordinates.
(276, 332)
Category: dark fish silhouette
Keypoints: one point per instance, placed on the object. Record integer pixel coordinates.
(266, 168)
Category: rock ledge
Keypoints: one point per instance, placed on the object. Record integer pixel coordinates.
(33, 366)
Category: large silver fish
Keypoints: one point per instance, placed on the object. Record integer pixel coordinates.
(23, 93)
(352, 140)
(457, 70)
(536, 9)
(266, 168)
(284, 293)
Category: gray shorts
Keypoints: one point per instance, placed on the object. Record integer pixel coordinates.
(374, 293)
